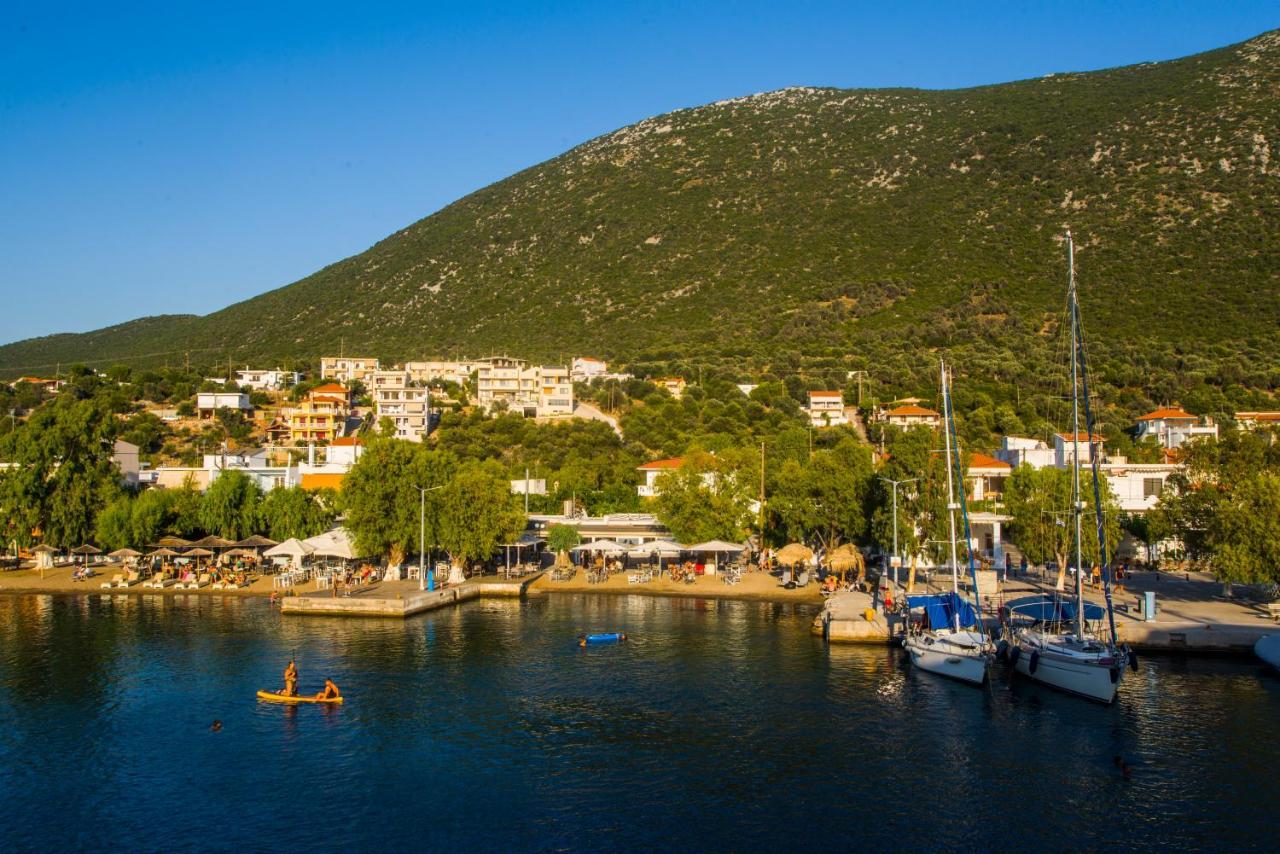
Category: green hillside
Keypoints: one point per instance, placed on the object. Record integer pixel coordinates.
(819, 229)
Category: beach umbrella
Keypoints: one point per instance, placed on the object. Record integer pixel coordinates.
(86, 549)
(170, 543)
(716, 547)
(292, 548)
(336, 543)
(242, 553)
(163, 552)
(125, 553)
(255, 542)
(663, 548)
(793, 553)
(606, 546)
(197, 552)
(44, 556)
(212, 542)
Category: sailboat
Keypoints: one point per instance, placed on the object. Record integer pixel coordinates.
(1051, 637)
(954, 643)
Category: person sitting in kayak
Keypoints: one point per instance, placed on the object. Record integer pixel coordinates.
(330, 691)
(291, 679)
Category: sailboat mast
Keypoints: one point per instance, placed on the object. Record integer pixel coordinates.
(951, 491)
(1076, 504)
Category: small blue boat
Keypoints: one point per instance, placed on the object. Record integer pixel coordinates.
(602, 637)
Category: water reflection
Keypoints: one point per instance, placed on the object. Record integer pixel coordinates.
(717, 725)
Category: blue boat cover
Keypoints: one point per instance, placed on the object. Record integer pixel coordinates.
(942, 609)
(1048, 609)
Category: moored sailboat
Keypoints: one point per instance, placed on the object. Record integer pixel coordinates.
(1052, 640)
(954, 643)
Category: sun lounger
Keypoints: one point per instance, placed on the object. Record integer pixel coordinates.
(203, 581)
(116, 581)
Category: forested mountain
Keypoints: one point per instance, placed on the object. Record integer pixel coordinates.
(811, 230)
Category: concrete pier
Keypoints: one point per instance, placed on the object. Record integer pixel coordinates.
(400, 598)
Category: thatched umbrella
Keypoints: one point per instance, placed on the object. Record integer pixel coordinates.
(255, 542)
(125, 554)
(793, 553)
(86, 550)
(844, 558)
(197, 552)
(212, 542)
(169, 543)
(164, 552)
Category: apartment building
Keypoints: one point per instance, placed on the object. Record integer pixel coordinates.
(1172, 426)
(259, 380)
(348, 369)
(321, 416)
(432, 371)
(826, 408)
(406, 401)
(535, 391)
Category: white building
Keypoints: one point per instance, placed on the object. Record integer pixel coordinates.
(1064, 449)
(584, 369)
(403, 400)
(675, 386)
(125, 456)
(275, 380)
(255, 463)
(348, 369)
(1022, 451)
(209, 402)
(911, 415)
(1254, 420)
(826, 408)
(1136, 486)
(535, 391)
(747, 388)
(440, 370)
(652, 471)
(1171, 427)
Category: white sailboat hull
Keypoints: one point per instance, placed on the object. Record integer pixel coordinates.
(1094, 676)
(959, 655)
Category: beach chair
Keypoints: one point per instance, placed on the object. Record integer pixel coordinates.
(803, 579)
(203, 581)
(115, 581)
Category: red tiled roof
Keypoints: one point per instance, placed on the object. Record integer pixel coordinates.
(1168, 413)
(329, 388)
(984, 461)
(347, 440)
(825, 394)
(673, 463)
(912, 410)
(1258, 416)
(1083, 437)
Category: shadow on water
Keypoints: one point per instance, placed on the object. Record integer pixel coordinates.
(718, 724)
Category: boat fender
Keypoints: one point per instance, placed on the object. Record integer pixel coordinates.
(1015, 652)
(1034, 662)
(1002, 650)
(1115, 675)
(1133, 658)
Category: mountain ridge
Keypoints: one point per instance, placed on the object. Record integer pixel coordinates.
(819, 227)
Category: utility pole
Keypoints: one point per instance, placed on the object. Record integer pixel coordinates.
(423, 583)
(526, 491)
(859, 374)
(896, 555)
(762, 495)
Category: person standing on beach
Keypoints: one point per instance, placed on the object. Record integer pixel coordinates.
(291, 679)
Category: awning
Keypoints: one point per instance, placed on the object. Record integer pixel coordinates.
(1050, 609)
(943, 608)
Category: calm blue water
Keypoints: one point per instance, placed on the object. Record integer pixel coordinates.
(720, 725)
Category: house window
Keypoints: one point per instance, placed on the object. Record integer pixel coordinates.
(1152, 487)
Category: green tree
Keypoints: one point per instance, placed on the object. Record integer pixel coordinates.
(113, 528)
(477, 512)
(381, 500)
(62, 473)
(230, 505)
(825, 499)
(1246, 531)
(294, 512)
(562, 538)
(703, 500)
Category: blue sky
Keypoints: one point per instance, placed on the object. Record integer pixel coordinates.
(179, 158)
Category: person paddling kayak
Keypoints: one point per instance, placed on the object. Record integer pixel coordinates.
(291, 679)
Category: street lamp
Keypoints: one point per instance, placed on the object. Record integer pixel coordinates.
(422, 538)
(896, 484)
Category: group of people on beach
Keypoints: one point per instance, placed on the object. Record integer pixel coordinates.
(330, 692)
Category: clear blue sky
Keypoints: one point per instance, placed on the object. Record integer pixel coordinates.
(178, 158)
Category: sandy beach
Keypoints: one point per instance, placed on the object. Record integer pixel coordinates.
(754, 585)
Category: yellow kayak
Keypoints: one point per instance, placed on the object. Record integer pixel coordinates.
(271, 697)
